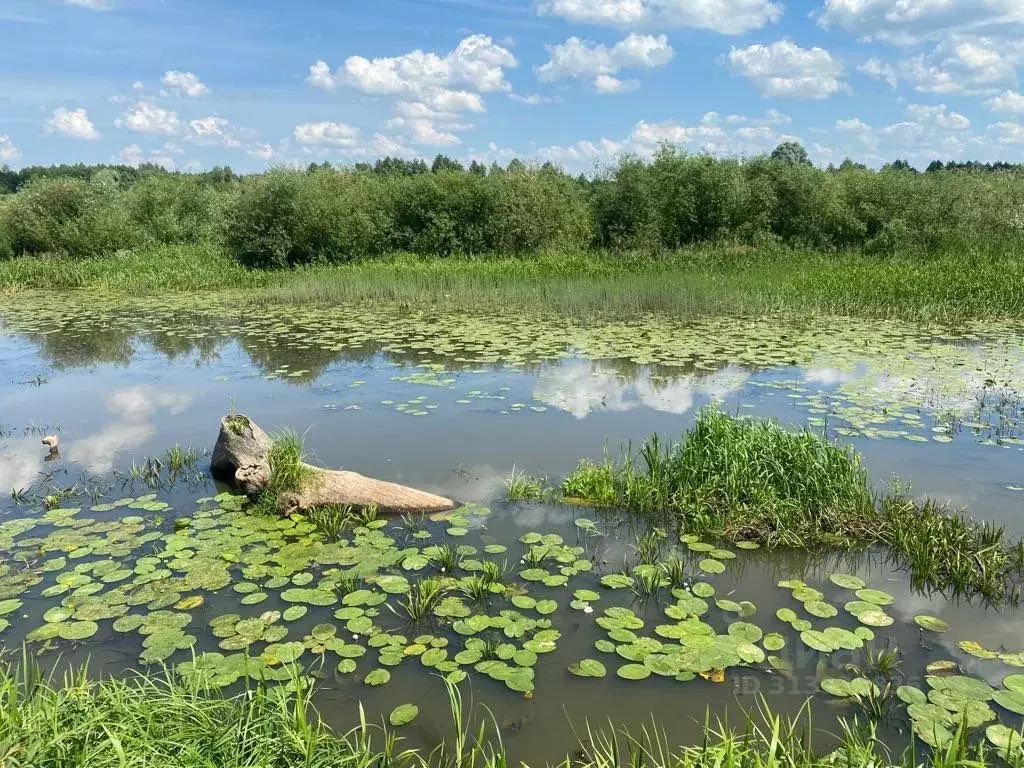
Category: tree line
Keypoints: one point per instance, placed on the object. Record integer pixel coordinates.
(673, 200)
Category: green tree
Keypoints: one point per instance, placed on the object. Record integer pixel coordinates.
(791, 152)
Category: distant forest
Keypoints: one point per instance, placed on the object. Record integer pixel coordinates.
(673, 200)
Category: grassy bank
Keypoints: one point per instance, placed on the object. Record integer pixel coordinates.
(158, 722)
(700, 281)
(754, 480)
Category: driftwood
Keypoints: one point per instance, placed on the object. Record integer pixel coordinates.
(240, 457)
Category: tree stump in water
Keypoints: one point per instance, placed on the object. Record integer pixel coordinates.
(241, 457)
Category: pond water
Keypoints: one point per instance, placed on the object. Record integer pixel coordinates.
(452, 403)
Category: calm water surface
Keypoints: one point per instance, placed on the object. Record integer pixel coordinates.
(453, 404)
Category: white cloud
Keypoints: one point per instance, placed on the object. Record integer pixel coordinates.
(964, 65)
(785, 69)
(728, 17)
(92, 5)
(21, 461)
(853, 125)
(477, 63)
(879, 70)
(611, 84)
(8, 152)
(73, 123)
(184, 84)
(133, 154)
(582, 59)
(145, 117)
(1007, 133)
(424, 131)
(907, 22)
(262, 151)
(327, 134)
(212, 131)
(939, 116)
(532, 99)
(1007, 101)
(733, 136)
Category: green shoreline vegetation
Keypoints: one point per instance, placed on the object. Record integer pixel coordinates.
(752, 480)
(153, 722)
(680, 233)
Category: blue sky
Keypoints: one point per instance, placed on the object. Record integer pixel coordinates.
(197, 83)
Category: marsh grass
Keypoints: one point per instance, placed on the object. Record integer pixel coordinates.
(984, 281)
(748, 479)
(156, 722)
(743, 479)
(523, 487)
(418, 604)
(288, 470)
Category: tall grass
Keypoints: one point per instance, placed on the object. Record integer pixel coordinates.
(288, 469)
(157, 722)
(703, 280)
(747, 479)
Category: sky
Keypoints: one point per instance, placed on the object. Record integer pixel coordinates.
(191, 84)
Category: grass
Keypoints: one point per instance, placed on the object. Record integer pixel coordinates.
(747, 479)
(705, 280)
(156, 722)
(288, 469)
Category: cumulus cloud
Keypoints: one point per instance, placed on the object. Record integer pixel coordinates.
(879, 70)
(476, 63)
(92, 5)
(964, 65)
(938, 116)
(327, 134)
(728, 17)
(585, 60)
(785, 69)
(907, 22)
(164, 156)
(73, 123)
(262, 151)
(20, 463)
(212, 131)
(184, 84)
(8, 152)
(1007, 133)
(530, 99)
(146, 117)
(1007, 101)
(734, 135)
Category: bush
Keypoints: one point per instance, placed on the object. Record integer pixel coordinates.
(66, 216)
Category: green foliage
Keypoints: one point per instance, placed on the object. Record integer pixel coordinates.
(288, 470)
(744, 479)
(326, 214)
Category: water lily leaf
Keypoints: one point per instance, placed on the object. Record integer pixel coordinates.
(616, 581)
(976, 649)
(58, 613)
(294, 612)
(1008, 741)
(847, 581)
(749, 633)
(908, 694)
(403, 714)
(774, 642)
(703, 589)
(346, 666)
(1011, 700)
(816, 640)
(393, 585)
(545, 607)
(9, 606)
(586, 595)
(786, 614)
(875, 596)
(604, 646)
(821, 609)
(875, 619)
(931, 623)
(1014, 683)
(711, 566)
(961, 687)
(588, 668)
(943, 668)
(836, 687)
(633, 672)
(377, 677)
(77, 630)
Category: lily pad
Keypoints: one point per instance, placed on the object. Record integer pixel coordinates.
(847, 581)
(633, 672)
(931, 623)
(588, 668)
(403, 714)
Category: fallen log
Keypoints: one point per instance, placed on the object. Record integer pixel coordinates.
(242, 457)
